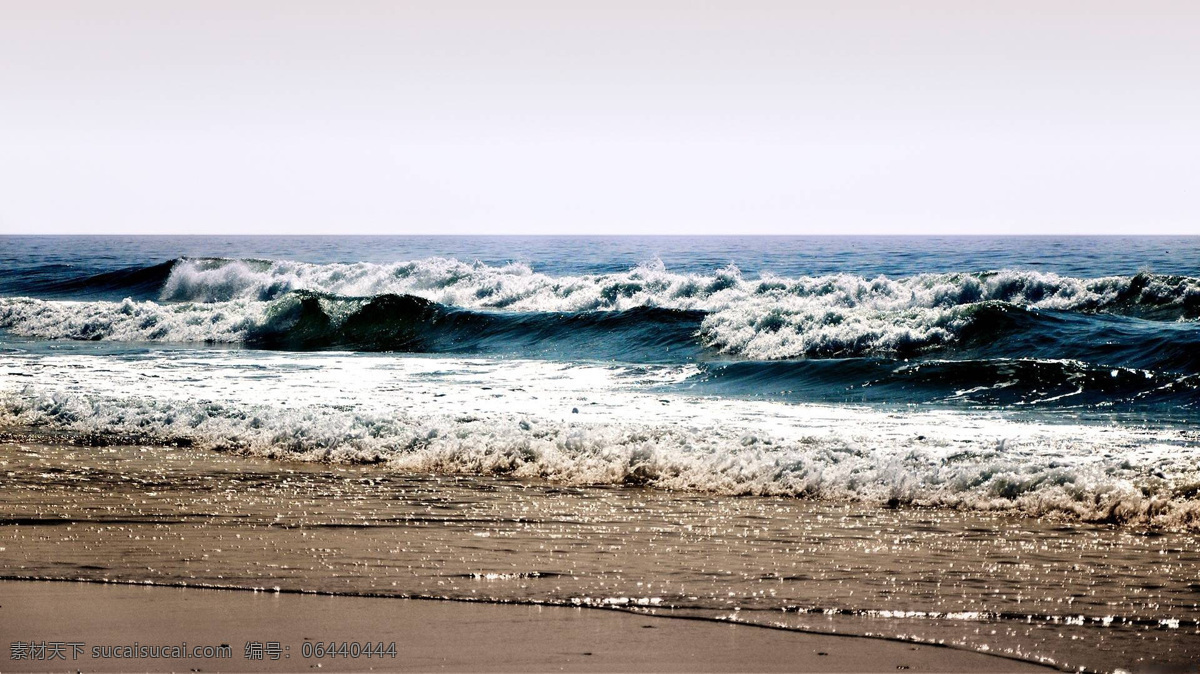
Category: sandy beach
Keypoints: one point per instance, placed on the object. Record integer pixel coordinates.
(151, 531)
(429, 635)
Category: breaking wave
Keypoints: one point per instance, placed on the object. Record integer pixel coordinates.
(429, 304)
(516, 287)
(305, 321)
(1097, 475)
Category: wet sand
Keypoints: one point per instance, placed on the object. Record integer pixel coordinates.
(1060, 594)
(429, 635)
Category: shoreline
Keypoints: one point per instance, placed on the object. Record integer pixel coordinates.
(166, 521)
(429, 634)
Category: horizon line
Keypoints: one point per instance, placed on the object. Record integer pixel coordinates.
(603, 236)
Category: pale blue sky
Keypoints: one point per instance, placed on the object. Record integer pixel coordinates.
(599, 117)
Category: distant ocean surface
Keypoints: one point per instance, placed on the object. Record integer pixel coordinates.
(1052, 380)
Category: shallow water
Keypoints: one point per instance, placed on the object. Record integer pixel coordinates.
(604, 424)
(1093, 596)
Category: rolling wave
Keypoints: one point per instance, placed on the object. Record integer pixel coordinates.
(304, 321)
(65, 281)
(989, 354)
(141, 282)
(516, 287)
(646, 314)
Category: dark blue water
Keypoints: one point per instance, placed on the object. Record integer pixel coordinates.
(33, 262)
(1103, 324)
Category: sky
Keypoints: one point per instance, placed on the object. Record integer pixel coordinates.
(613, 117)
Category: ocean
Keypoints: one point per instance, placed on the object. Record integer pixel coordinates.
(988, 443)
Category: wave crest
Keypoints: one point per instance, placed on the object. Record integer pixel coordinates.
(516, 287)
(257, 302)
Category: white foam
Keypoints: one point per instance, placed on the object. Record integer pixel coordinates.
(767, 318)
(589, 424)
(130, 321)
(517, 287)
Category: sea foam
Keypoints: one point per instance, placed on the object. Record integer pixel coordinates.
(600, 425)
(766, 318)
(517, 287)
